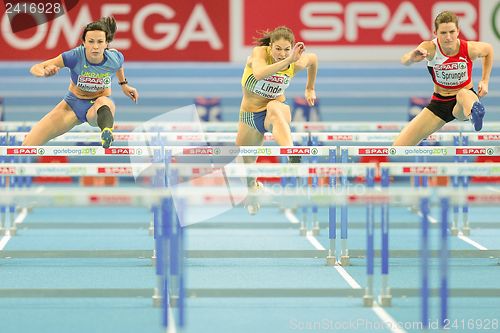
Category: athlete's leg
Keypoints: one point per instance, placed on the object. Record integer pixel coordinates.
(277, 121)
(58, 121)
(469, 107)
(465, 100)
(102, 114)
(249, 136)
(94, 113)
(423, 125)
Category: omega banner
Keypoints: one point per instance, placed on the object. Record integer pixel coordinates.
(223, 30)
(157, 30)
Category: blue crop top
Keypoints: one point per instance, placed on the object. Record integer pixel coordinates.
(92, 77)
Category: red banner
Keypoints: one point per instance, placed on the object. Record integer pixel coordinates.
(358, 23)
(162, 30)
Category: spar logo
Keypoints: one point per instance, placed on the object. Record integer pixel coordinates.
(25, 151)
(373, 151)
(325, 171)
(388, 127)
(315, 127)
(421, 170)
(198, 151)
(122, 151)
(494, 20)
(115, 170)
(190, 137)
(488, 137)
(340, 137)
(298, 151)
(121, 137)
(474, 151)
(486, 198)
(450, 66)
(111, 199)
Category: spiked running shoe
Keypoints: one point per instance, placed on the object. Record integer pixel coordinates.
(252, 203)
(476, 115)
(106, 137)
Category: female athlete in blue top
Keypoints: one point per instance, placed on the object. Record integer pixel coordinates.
(92, 66)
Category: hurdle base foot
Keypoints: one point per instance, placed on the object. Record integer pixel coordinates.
(153, 260)
(173, 301)
(344, 261)
(303, 232)
(466, 231)
(3, 232)
(367, 301)
(385, 300)
(454, 231)
(331, 261)
(157, 301)
(13, 231)
(315, 231)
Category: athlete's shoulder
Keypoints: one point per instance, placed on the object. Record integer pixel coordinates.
(115, 56)
(73, 56)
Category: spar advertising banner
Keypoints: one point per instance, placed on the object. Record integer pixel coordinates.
(223, 30)
(363, 30)
(158, 30)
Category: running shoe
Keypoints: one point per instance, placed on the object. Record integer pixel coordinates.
(252, 203)
(476, 115)
(106, 137)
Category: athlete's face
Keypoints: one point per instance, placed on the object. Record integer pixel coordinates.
(95, 44)
(447, 34)
(280, 49)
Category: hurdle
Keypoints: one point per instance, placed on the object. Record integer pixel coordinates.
(317, 196)
(338, 137)
(321, 126)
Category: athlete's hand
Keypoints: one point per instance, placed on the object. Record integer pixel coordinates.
(482, 88)
(297, 51)
(310, 95)
(50, 70)
(131, 92)
(419, 54)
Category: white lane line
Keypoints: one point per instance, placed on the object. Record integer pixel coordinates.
(431, 218)
(22, 216)
(19, 219)
(291, 216)
(171, 322)
(341, 270)
(387, 319)
(460, 234)
(4, 240)
(471, 242)
(380, 312)
(493, 188)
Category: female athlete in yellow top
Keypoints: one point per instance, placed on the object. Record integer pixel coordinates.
(268, 72)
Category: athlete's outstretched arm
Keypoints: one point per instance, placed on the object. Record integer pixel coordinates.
(423, 51)
(309, 61)
(48, 68)
(482, 50)
(129, 91)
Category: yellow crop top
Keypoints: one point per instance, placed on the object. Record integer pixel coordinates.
(272, 86)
